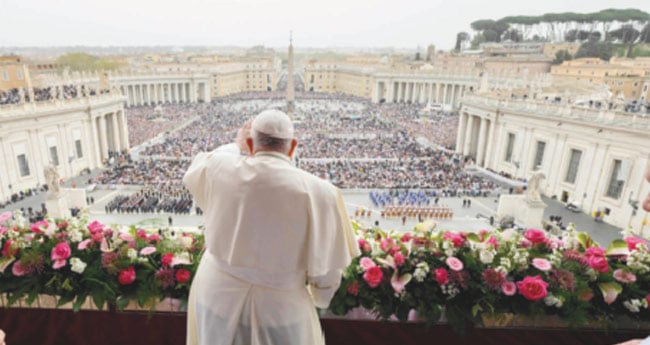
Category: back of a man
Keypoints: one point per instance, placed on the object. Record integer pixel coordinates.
(270, 228)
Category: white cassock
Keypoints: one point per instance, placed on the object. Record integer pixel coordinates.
(277, 240)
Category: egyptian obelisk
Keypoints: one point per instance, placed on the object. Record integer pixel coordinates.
(291, 96)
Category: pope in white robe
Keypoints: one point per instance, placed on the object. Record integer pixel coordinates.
(277, 240)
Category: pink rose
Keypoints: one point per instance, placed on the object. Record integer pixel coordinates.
(153, 238)
(183, 275)
(457, 239)
(596, 259)
(127, 276)
(399, 259)
(441, 276)
(62, 225)
(38, 227)
(633, 242)
(366, 263)
(5, 216)
(535, 236)
(541, 264)
(147, 250)
(624, 276)
(141, 234)
(373, 276)
(95, 227)
(353, 289)
(386, 244)
(532, 288)
(508, 288)
(61, 251)
(454, 263)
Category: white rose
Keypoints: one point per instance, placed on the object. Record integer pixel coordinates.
(75, 236)
(486, 256)
(77, 265)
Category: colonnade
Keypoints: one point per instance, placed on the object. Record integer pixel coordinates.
(150, 93)
(475, 137)
(423, 92)
(110, 133)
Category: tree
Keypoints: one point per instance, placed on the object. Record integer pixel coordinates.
(491, 36)
(626, 34)
(86, 62)
(561, 56)
(460, 38)
(602, 50)
(645, 34)
(477, 40)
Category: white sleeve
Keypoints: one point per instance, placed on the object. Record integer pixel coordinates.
(323, 288)
(229, 148)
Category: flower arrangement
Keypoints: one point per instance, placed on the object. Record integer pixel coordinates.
(75, 260)
(473, 275)
(465, 275)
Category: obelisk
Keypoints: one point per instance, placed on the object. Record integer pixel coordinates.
(291, 93)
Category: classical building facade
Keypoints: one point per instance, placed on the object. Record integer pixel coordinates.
(158, 88)
(595, 158)
(72, 134)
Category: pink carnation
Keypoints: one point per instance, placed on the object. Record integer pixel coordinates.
(386, 244)
(541, 264)
(399, 258)
(454, 263)
(147, 250)
(141, 234)
(441, 276)
(84, 244)
(493, 241)
(18, 269)
(509, 288)
(457, 239)
(406, 237)
(634, 242)
(126, 237)
(366, 263)
(596, 259)
(58, 264)
(624, 276)
(153, 238)
(373, 276)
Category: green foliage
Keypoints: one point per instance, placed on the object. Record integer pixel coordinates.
(86, 62)
(491, 36)
(460, 38)
(601, 50)
(561, 56)
(608, 15)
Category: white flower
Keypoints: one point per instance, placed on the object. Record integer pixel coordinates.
(487, 255)
(132, 253)
(75, 235)
(77, 265)
(421, 271)
(182, 258)
(186, 242)
(553, 301)
(633, 305)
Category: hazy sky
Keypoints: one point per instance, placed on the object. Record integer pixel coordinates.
(353, 23)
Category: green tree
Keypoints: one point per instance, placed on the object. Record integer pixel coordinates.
(601, 50)
(86, 62)
(561, 56)
(491, 36)
(460, 38)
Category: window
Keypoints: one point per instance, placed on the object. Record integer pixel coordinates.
(574, 163)
(616, 182)
(5, 75)
(539, 154)
(54, 156)
(23, 165)
(509, 147)
(19, 75)
(77, 144)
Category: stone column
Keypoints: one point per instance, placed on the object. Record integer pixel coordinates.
(35, 151)
(453, 96)
(490, 141)
(102, 137)
(124, 130)
(438, 93)
(141, 87)
(389, 91)
(193, 92)
(148, 92)
(182, 92)
(468, 136)
(116, 133)
(127, 94)
(480, 149)
(460, 135)
(444, 93)
(95, 156)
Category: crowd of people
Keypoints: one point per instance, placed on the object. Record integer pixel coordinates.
(42, 94)
(153, 199)
(346, 140)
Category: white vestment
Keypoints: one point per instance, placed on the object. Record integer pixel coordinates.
(277, 240)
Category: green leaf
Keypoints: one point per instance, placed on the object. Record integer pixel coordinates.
(476, 309)
(64, 300)
(610, 291)
(79, 302)
(473, 237)
(618, 247)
